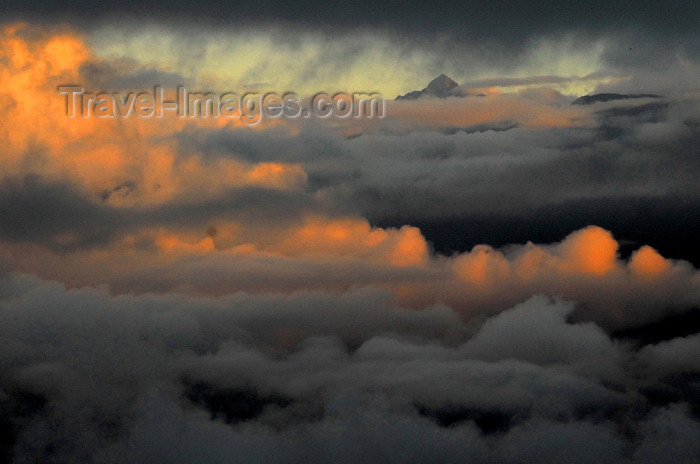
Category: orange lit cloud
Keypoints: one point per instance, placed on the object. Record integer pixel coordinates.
(647, 262)
(354, 237)
(340, 253)
(101, 154)
(589, 251)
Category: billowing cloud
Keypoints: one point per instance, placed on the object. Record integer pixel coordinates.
(133, 163)
(495, 278)
(306, 375)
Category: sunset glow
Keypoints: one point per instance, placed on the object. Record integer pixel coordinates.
(359, 234)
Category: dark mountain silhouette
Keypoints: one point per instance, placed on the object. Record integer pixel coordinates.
(441, 87)
(605, 97)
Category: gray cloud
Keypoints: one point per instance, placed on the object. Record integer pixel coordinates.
(503, 20)
(92, 377)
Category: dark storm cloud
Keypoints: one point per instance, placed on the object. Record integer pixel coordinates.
(502, 20)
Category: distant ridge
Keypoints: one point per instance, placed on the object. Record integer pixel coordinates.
(605, 97)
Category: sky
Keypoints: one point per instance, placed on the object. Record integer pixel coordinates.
(501, 273)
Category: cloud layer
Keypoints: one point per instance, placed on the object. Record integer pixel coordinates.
(321, 375)
(477, 279)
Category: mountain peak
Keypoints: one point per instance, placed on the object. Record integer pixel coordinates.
(442, 86)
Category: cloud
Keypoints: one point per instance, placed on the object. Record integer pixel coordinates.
(480, 19)
(155, 376)
(175, 290)
(134, 164)
(537, 332)
(198, 207)
(314, 253)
